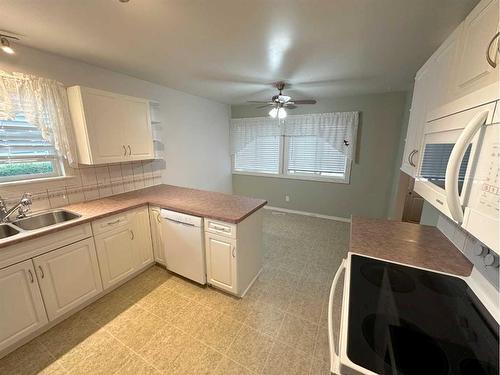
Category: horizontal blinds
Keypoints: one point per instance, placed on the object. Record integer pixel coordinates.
(313, 155)
(21, 141)
(262, 155)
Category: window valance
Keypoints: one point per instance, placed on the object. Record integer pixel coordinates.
(339, 129)
(44, 104)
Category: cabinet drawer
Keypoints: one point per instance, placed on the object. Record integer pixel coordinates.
(109, 223)
(221, 228)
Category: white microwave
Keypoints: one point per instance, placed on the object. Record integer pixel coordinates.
(458, 170)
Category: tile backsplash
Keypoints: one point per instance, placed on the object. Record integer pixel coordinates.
(87, 183)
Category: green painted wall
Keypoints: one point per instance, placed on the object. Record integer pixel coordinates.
(373, 172)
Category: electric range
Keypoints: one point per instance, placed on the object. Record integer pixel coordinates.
(398, 319)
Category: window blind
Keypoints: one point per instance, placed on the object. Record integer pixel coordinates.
(313, 155)
(23, 151)
(261, 155)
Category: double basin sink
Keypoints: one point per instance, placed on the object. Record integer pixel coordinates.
(38, 221)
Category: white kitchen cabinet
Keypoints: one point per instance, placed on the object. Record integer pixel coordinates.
(21, 306)
(123, 244)
(110, 128)
(116, 255)
(157, 235)
(141, 237)
(234, 253)
(479, 38)
(221, 261)
(68, 277)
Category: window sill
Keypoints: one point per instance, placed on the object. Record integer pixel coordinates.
(290, 177)
(35, 181)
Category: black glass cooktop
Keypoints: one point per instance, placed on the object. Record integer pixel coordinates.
(403, 320)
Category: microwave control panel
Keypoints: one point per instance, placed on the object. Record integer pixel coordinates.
(489, 196)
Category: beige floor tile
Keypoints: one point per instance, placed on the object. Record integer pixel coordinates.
(306, 306)
(68, 334)
(322, 348)
(285, 279)
(107, 308)
(165, 346)
(135, 327)
(29, 359)
(229, 367)
(194, 316)
(148, 299)
(188, 289)
(320, 367)
(284, 359)
(250, 349)
(195, 359)
(277, 296)
(100, 353)
(298, 333)
(135, 365)
(219, 333)
(169, 307)
(265, 319)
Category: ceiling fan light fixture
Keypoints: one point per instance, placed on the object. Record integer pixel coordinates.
(282, 113)
(273, 112)
(5, 45)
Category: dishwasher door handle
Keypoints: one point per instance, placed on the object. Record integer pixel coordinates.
(179, 222)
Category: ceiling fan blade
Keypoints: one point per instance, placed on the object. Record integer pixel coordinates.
(290, 106)
(264, 106)
(258, 101)
(304, 101)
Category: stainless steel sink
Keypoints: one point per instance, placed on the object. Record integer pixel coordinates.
(7, 231)
(45, 219)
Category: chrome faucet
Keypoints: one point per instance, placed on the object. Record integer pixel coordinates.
(22, 207)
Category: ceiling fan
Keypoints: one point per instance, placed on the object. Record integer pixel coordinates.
(280, 102)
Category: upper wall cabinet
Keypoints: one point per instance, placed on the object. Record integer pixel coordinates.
(110, 128)
(479, 43)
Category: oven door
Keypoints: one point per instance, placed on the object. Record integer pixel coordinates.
(449, 150)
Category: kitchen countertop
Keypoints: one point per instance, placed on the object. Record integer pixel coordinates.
(207, 204)
(412, 244)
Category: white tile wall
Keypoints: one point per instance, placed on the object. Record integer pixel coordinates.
(88, 183)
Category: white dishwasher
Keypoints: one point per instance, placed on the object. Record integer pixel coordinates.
(184, 245)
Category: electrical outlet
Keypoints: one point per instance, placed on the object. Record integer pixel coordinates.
(287, 197)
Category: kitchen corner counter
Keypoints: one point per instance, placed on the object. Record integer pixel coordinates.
(207, 204)
(412, 244)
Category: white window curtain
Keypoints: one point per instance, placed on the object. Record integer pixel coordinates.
(339, 129)
(44, 104)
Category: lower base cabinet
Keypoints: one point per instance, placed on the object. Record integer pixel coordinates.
(124, 246)
(221, 262)
(157, 235)
(68, 277)
(21, 306)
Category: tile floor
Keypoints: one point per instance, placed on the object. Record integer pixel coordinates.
(158, 323)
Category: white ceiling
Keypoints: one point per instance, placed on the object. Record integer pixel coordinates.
(231, 50)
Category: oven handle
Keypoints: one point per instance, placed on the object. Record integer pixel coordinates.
(334, 355)
(453, 167)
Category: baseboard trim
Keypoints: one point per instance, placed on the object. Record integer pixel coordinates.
(305, 213)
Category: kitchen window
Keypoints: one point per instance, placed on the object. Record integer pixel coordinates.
(305, 147)
(24, 154)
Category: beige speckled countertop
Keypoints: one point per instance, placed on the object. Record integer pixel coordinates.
(212, 205)
(416, 245)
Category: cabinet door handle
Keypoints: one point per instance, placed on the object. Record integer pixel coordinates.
(132, 234)
(158, 219)
(492, 62)
(32, 280)
(412, 154)
(124, 150)
(113, 222)
(41, 271)
(129, 150)
(234, 251)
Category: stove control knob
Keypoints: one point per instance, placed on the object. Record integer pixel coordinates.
(480, 250)
(491, 260)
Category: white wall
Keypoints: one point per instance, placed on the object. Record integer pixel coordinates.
(195, 129)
